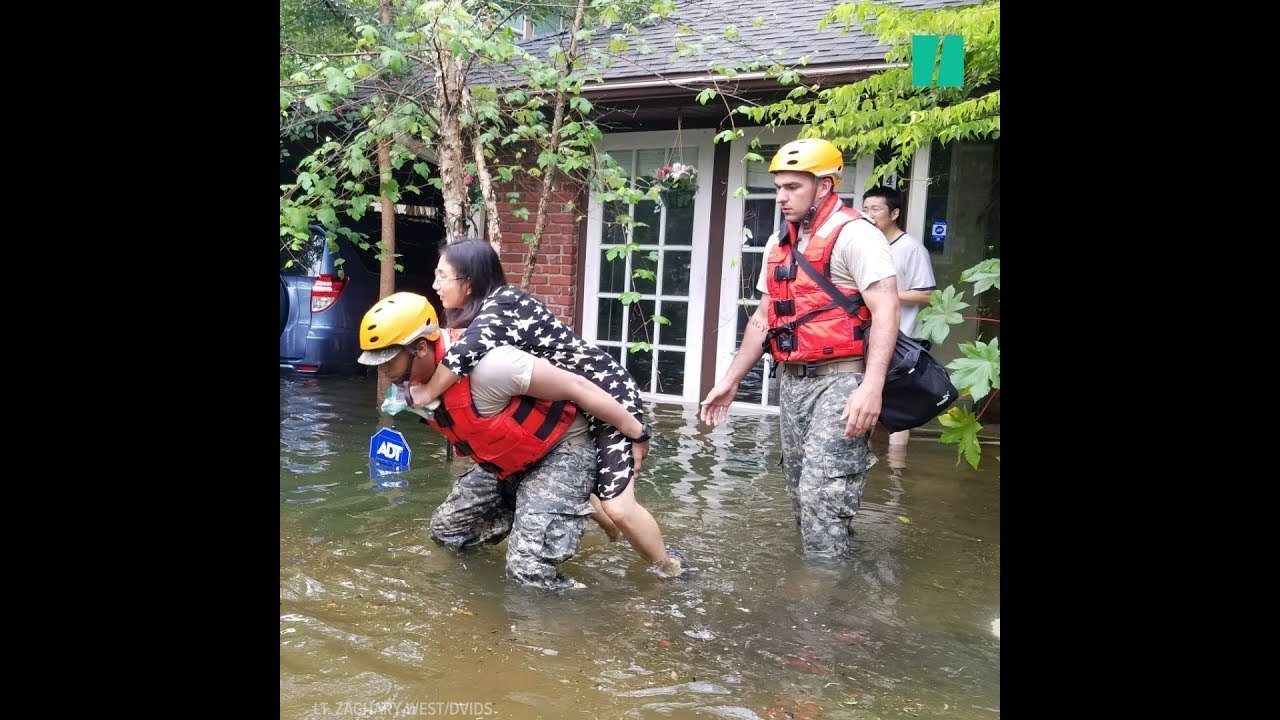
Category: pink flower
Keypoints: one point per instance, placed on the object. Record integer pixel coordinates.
(467, 180)
(676, 176)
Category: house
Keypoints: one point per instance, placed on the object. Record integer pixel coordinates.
(709, 251)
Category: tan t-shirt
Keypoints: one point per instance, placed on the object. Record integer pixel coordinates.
(861, 256)
(503, 373)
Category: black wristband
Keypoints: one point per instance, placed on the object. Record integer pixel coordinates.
(645, 434)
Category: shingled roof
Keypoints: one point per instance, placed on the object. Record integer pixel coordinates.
(788, 26)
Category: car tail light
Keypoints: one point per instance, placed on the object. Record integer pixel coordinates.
(325, 292)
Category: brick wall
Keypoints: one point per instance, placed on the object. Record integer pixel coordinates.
(555, 272)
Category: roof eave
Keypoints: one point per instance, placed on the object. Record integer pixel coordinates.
(684, 83)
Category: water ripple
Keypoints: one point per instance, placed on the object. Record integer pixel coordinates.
(372, 611)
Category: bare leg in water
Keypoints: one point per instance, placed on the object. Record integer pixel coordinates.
(602, 519)
(641, 530)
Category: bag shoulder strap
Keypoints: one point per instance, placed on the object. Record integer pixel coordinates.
(851, 305)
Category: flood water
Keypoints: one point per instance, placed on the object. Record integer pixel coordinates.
(378, 621)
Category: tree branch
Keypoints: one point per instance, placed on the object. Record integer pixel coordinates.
(540, 224)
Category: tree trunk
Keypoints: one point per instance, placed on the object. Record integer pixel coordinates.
(450, 99)
(548, 177)
(387, 272)
(493, 230)
(486, 188)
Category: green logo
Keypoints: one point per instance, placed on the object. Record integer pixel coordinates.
(924, 58)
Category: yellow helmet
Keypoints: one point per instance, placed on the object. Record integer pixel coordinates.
(811, 155)
(394, 321)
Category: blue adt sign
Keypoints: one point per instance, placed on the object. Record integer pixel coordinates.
(388, 451)
(939, 231)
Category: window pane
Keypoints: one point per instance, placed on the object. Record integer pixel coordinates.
(761, 217)
(640, 261)
(936, 203)
(749, 274)
(964, 194)
(647, 163)
(677, 332)
(680, 225)
(613, 273)
(744, 314)
(675, 272)
(610, 319)
(614, 351)
(749, 389)
(625, 160)
(613, 232)
(759, 179)
(547, 25)
(647, 212)
(641, 325)
(670, 372)
(640, 365)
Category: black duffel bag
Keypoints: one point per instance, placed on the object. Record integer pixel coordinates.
(916, 389)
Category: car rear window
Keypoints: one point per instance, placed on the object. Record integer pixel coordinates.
(417, 246)
(306, 259)
(417, 249)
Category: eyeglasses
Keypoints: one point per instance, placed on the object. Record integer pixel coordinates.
(446, 277)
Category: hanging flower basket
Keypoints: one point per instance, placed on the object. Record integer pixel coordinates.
(677, 198)
(677, 184)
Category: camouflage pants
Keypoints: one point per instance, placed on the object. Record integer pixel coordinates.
(543, 509)
(825, 471)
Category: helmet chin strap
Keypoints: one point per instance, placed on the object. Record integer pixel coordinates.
(813, 212)
(408, 371)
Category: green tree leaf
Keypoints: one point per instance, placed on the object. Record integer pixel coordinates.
(983, 275)
(320, 102)
(979, 370)
(934, 321)
(393, 59)
(961, 429)
(337, 82)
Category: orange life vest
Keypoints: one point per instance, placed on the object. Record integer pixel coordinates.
(805, 323)
(506, 443)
